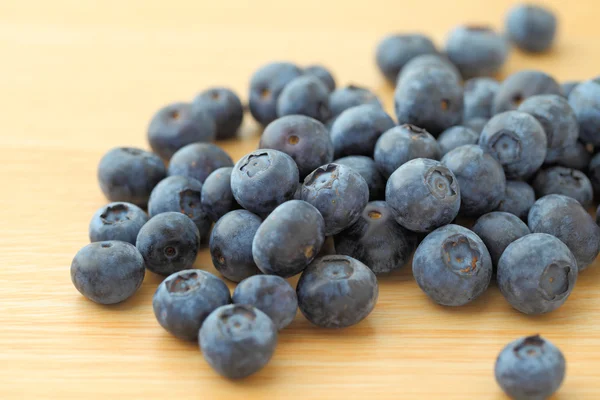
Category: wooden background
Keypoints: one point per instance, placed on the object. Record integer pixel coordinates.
(78, 77)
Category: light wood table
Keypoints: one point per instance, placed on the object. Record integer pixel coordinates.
(78, 77)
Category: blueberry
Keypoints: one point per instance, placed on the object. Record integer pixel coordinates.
(169, 243)
(198, 160)
(517, 141)
(429, 98)
(455, 137)
(305, 95)
(557, 118)
(376, 240)
(452, 266)
(479, 97)
(107, 272)
(270, 294)
(216, 197)
(565, 218)
(367, 168)
(401, 144)
(497, 230)
(594, 172)
(184, 299)
(585, 101)
(574, 155)
(337, 291)
(429, 61)
(231, 245)
(178, 125)
(480, 178)
(339, 193)
(522, 85)
(537, 273)
(476, 50)
(567, 87)
(350, 96)
(117, 221)
(180, 194)
(530, 368)
(129, 174)
(394, 51)
(265, 87)
(323, 74)
(518, 199)
(304, 139)
(264, 179)
(476, 124)
(423, 195)
(288, 239)
(224, 107)
(237, 340)
(567, 181)
(531, 27)
(356, 130)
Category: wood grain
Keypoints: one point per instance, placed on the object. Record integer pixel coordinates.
(78, 77)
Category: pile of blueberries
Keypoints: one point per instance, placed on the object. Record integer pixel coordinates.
(340, 193)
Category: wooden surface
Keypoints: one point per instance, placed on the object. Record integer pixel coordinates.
(78, 77)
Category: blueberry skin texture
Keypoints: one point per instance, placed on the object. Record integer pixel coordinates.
(585, 101)
(423, 195)
(480, 177)
(350, 96)
(557, 118)
(305, 95)
(237, 340)
(198, 160)
(497, 230)
(107, 272)
(537, 273)
(356, 130)
(455, 137)
(339, 193)
(184, 299)
(479, 97)
(180, 194)
(367, 168)
(429, 61)
(565, 218)
(129, 174)
(517, 141)
(303, 138)
(117, 221)
(594, 172)
(401, 144)
(177, 125)
(566, 181)
(518, 199)
(216, 197)
(272, 295)
(169, 243)
(476, 51)
(452, 266)
(532, 28)
(224, 107)
(476, 124)
(394, 51)
(530, 368)
(376, 240)
(264, 179)
(520, 86)
(567, 87)
(266, 85)
(429, 98)
(337, 291)
(288, 239)
(574, 156)
(231, 245)
(323, 74)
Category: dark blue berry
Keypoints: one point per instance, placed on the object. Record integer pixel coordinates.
(455, 137)
(117, 221)
(198, 160)
(585, 101)
(518, 199)
(394, 51)
(522, 85)
(323, 74)
(305, 95)
(567, 181)
(531, 27)
(367, 168)
(350, 96)
(224, 107)
(479, 97)
(217, 198)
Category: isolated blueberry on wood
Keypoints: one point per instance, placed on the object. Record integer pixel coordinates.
(394, 51)
(224, 107)
(198, 160)
(184, 299)
(117, 221)
(518, 199)
(531, 27)
(216, 197)
(108, 272)
(367, 168)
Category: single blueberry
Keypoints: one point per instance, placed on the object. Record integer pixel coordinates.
(216, 197)
(224, 107)
(429, 61)
(394, 51)
(108, 272)
(455, 137)
(367, 168)
(350, 96)
(585, 101)
(522, 85)
(567, 181)
(479, 97)
(531, 27)
(184, 299)
(305, 95)
(518, 199)
(574, 155)
(117, 221)
(198, 160)
(323, 74)
(337, 291)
